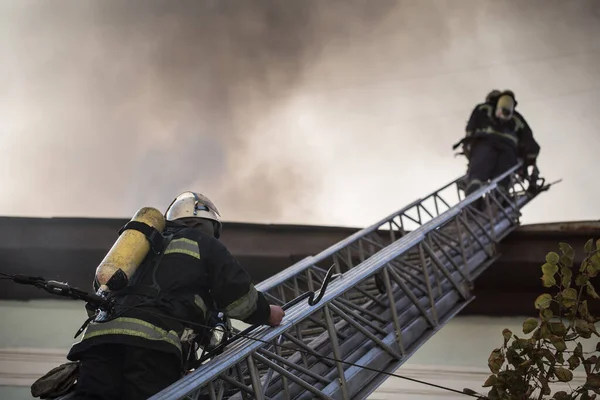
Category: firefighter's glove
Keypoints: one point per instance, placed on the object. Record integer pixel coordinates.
(276, 316)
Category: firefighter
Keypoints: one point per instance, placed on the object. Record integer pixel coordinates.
(496, 136)
(140, 351)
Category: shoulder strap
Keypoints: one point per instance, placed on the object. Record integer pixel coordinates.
(153, 290)
(166, 240)
(155, 238)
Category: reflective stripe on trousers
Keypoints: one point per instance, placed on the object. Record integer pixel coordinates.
(131, 327)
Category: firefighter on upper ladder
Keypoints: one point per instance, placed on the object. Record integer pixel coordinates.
(496, 136)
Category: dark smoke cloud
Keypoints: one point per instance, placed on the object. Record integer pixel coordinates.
(118, 104)
(299, 111)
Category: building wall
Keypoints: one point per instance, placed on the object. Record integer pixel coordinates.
(35, 336)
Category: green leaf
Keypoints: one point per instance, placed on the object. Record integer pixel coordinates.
(495, 361)
(566, 261)
(558, 343)
(546, 314)
(507, 334)
(545, 331)
(566, 249)
(548, 281)
(589, 363)
(552, 258)
(543, 301)
(529, 325)
(574, 362)
(591, 360)
(598, 244)
(549, 269)
(588, 246)
(584, 264)
(558, 328)
(582, 327)
(526, 364)
(491, 381)
(583, 310)
(512, 357)
(521, 344)
(571, 336)
(593, 381)
(545, 353)
(545, 387)
(566, 276)
(591, 291)
(562, 395)
(563, 374)
(493, 394)
(578, 350)
(581, 279)
(569, 297)
(594, 265)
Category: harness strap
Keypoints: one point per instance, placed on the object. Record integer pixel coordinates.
(151, 292)
(154, 236)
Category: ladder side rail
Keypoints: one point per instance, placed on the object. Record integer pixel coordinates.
(307, 275)
(411, 331)
(261, 347)
(346, 282)
(310, 261)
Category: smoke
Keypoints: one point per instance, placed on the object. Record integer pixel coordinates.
(108, 106)
(280, 111)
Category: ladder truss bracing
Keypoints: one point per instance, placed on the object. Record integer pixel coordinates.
(399, 281)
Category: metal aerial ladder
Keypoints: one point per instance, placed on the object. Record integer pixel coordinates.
(398, 282)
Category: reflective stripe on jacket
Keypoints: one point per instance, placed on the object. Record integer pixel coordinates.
(131, 327)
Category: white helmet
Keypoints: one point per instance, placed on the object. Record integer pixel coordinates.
(194, 205)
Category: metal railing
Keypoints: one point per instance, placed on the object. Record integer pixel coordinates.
(396, 288)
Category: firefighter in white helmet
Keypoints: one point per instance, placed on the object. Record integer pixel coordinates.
(140, 352)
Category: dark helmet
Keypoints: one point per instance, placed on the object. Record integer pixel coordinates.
(492, 96)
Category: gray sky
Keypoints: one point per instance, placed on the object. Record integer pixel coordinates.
(317, 112)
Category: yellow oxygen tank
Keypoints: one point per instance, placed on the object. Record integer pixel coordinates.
(128, 252)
